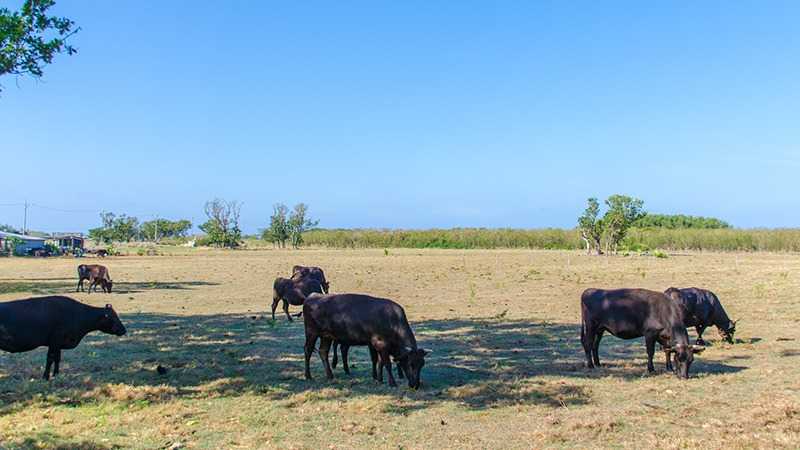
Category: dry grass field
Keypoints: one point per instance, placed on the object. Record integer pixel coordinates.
(506, 371)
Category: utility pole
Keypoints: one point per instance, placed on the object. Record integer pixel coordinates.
(25, 220)
(155, 237)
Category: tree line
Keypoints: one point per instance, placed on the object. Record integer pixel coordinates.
(124, 228)
(680, 221)
(221, 228)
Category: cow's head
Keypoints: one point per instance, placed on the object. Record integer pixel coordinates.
(412, 362)
(727, 333)
(110, 322)
(109, 285)
(683, 357)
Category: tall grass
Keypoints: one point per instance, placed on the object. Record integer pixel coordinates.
(553, 238)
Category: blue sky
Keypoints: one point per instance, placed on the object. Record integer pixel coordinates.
(410, 114)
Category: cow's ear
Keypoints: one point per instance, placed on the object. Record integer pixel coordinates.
(108, 306)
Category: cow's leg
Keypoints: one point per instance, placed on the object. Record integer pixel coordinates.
(57, 362)
(596, 348)
(386, 361)
(400, 373)
(668, 359)
(700, 329)
(324, 348)
(335, 361)
(587, 340)
(80, 285)
(345, 363)
(311, 341)
(275, 301)
(286, 309)
(650, 343)
(373, 355)
(51, 357)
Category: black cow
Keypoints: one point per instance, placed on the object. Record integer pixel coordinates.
(703, 309)
(302, 272)
(96, 274)
(633, 313)
(58, 323)
(292, 292)
(353, 319)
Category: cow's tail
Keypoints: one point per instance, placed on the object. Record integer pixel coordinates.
(585, 314)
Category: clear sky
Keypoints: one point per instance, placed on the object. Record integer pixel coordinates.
(410, 114)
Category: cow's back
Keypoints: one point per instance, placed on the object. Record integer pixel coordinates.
(28, 324)
(353, 318)
(627, 313)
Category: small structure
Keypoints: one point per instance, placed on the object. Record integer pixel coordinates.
(26, 244)
(68, 242)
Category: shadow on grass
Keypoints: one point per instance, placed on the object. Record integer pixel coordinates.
(480, 363)
(53, 441)
(51, 288)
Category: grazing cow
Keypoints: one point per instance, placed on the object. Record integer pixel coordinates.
(301, 272)
(633, 313)
(703, 309)
(58, 323)
(294, 292)
(353, 319)
(96, 274)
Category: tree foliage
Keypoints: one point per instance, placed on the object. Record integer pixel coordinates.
(9, 229)
(680, 221)
(299, 223)
(30, 38)
(120, 228)
(222, 227)
(622, 212)
(154, 230)
(278, 231)
(591, 227)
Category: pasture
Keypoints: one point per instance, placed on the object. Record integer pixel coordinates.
(506, 372)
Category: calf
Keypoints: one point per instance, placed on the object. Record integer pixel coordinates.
(302, 272)
(294, 292)
(633, 313)
(58, 323)
(353, 319)
(96, 274)
(703, 309)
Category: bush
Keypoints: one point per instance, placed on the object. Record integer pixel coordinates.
(637, 240)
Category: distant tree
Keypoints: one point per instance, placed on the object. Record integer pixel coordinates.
(299, 223)
(120, 228)
(9, 229)
(154, 230)
(622, 212)
(222, 227)
(676, 221)
(278, 231)
(591, 227)
(30, 38)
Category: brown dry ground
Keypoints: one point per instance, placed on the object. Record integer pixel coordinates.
(506, 371)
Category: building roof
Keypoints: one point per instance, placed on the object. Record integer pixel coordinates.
(3, 234)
